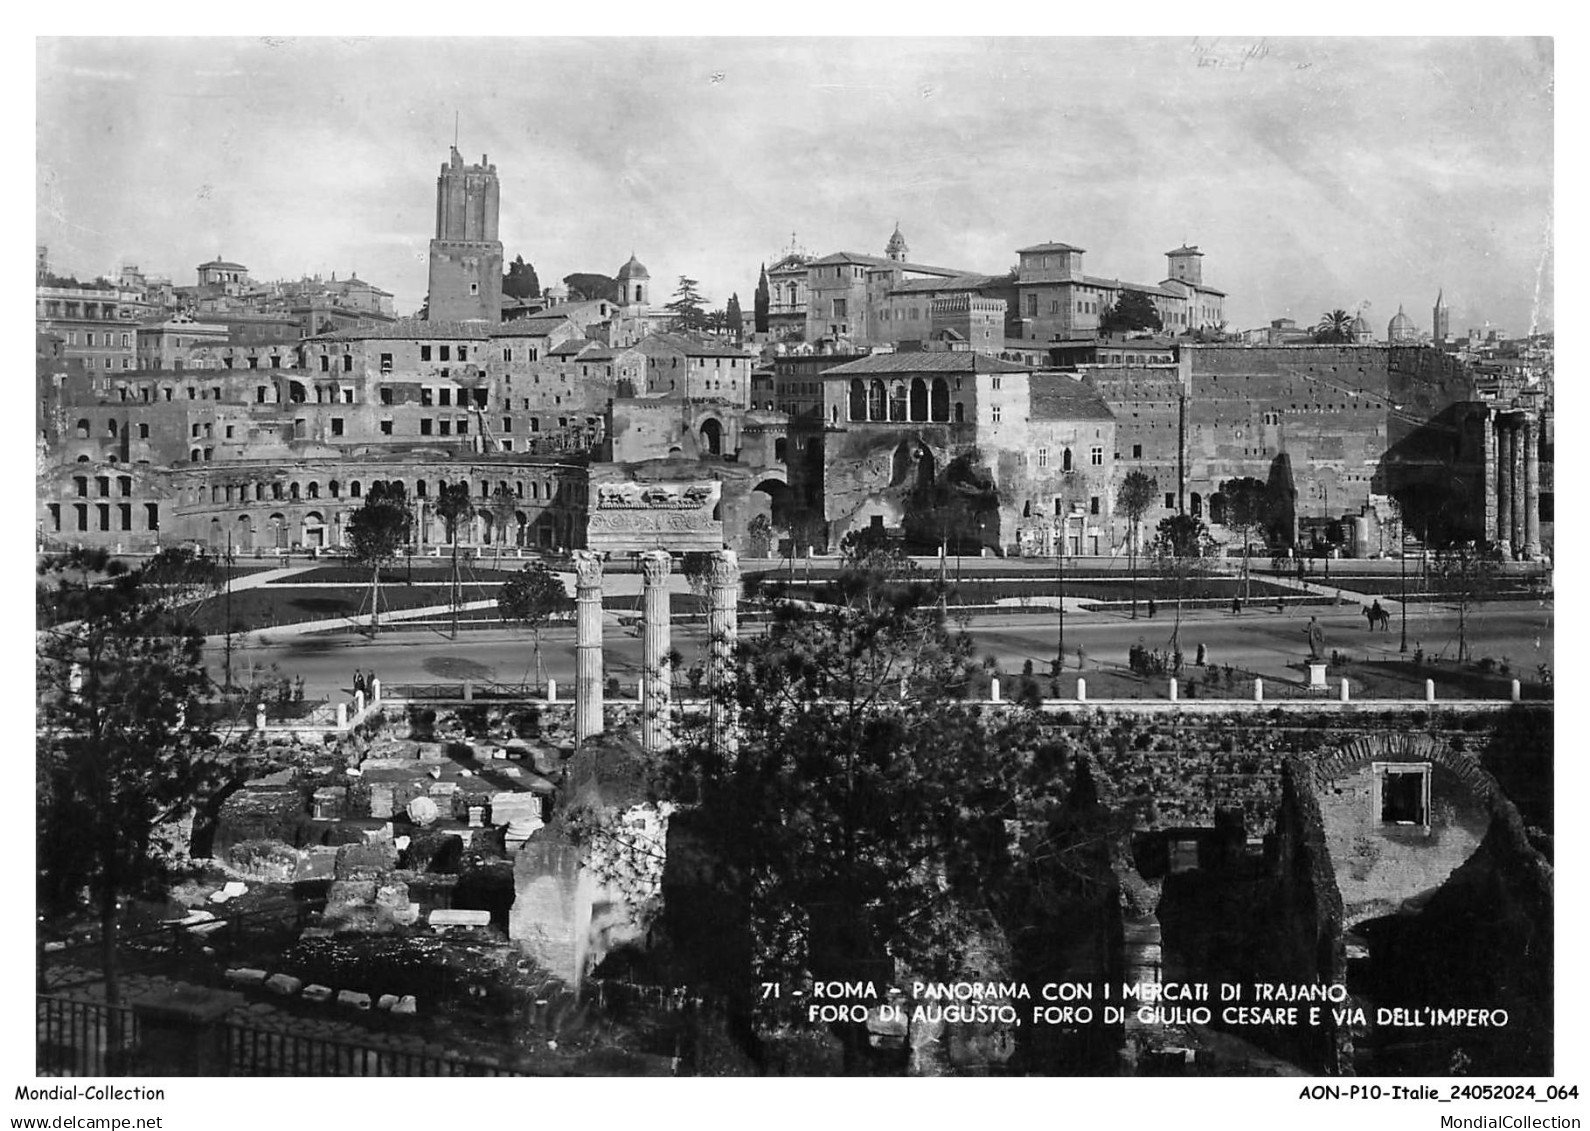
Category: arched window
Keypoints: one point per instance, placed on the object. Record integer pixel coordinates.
(82, 429)
(314, 490)
(833, 414)
(941, 400)
(1065, 460)
(897, 401)
(858, 399)
(876, 407)
(353, 489)
(335, 488)
(1197, 505)
(712, 438)
(292, 491)
(110, 427)
(960, 413)
(259, 394)
(919, 399)
(780, 448)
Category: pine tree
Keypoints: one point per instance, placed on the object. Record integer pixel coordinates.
(687, 306)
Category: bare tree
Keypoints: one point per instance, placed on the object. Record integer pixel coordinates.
(1133, 498)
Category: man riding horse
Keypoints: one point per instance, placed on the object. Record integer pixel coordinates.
(1378, 616)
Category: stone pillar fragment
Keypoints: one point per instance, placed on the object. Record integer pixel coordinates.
(588, 720)
(1531, 487)
(1504, 486)
(723, 632)
(656, 678)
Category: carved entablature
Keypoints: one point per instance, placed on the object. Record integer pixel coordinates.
(631, 516)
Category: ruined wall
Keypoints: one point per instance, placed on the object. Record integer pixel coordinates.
(1378, 864)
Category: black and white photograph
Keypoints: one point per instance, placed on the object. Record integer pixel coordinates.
(690, 556)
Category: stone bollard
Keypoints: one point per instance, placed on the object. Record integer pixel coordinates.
(469, 691)
(552, 691)
(259, 717)
(1345, 693)
(1518, 691)
(993, 690)
(1429, 691)
(1173, 689)
(375, 690)
(1082, 690)
(1258, 691)
(342, 716)
(358, 702)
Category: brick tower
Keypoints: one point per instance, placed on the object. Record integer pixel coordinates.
(466, 256)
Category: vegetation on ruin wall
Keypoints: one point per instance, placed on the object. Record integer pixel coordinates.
(122, 747)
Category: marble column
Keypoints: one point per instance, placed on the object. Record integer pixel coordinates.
(1504, 486)
(587, 645)
(656, 679)
(723, 630)
(1493, 490)
(1531, 487)
(1517, 447)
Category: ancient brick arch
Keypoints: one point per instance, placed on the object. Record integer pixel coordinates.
(1403, 747)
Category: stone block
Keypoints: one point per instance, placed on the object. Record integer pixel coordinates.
(386, 1001)
(317, 993)
(246, 976)
(459, 918)
(284, 984)
(406, 1006)
(330, 803)
(365, 861)
(353, 999)
(423, 811)
(381, 801)
(509, 806)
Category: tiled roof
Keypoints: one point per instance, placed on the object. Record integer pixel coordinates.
(1048, 247)
(413, 329)
(1117, 284)
(659, 343)
(572, 348)
(1055, 396)
(955, 283)
(882, 261)
(536, 326)
(926, 361)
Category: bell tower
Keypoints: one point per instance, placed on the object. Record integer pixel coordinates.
(466, 256)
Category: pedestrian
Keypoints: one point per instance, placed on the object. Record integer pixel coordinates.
(1082, 657)
(1151, 608)
(1203, 656)
(1236, 606)
(1280, 604)
(369, 680)
(358, 681)
(1300, 568)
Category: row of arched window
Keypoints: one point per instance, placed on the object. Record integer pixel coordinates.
(899, 401)
(548, 491)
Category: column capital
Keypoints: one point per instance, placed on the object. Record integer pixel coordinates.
(724, 569)
(587, 569)
(656, 564)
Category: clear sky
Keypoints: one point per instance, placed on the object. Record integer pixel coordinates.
(1313, 173)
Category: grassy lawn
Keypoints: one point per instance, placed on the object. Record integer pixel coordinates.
(430, 573)
(1119, 588)
(269, 606)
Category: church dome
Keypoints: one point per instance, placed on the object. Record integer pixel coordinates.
(1401, 328)
(634, 269)
(1361, 330)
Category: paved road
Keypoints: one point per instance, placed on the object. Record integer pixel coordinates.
(1260, 640)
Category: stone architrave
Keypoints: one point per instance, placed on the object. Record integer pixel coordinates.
(1504, 485)
(1518, 485)
(656, 677)
(723, 632)
(1531, 487)
(587, 645)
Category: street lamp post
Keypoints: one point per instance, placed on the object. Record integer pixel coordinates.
(1402, 557)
